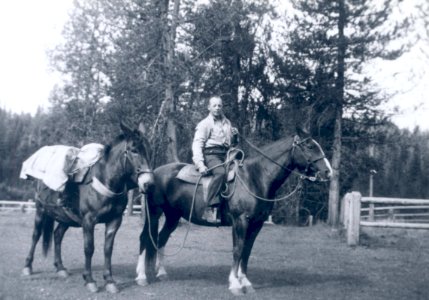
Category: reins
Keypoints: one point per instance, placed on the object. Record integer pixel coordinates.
(297, 188)
(300, 178)
(294, 144)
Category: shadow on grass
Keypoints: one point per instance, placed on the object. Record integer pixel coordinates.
(261, 278)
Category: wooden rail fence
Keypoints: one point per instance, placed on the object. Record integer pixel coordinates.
(358, 211)
(23, 206)
(29, 206)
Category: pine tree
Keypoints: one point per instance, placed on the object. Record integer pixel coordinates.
(331, 42)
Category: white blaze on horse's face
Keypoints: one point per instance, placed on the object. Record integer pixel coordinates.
(327, 174)
(142, 173)
(145, 180)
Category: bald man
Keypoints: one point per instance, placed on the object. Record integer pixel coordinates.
(213, 137)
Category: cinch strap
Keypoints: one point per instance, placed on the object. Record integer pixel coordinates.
(102, 189)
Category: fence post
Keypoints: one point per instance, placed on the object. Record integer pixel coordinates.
(371, 216)
(344, 211)
(353, 229)
(310, 220)
(391, 216)
(130, 196)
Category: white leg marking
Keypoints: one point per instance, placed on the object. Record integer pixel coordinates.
(140, 270)
(162, 273)
(234, 282)
(246, 285)
(243, 278)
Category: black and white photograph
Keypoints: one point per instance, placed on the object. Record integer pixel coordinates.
(214, 149)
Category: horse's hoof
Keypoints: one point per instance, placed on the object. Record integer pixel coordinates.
(112, 288)
(92, 287)
(162, 275)
(142, 282)
(237, 291)
(248, 289)
(63, 274)
(26, 271)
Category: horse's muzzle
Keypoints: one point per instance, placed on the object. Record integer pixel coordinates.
(322, 176)
(325, 171)
(145, 181)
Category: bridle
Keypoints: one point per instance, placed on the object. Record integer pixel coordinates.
(104, 190)
(296, 143)
(140, 170)
(310, 162)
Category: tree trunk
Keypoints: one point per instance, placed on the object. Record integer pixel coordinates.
(167, 109)
(334, 187)
(171, 127)
(169, 94)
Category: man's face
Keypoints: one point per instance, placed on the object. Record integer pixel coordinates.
(215, 106)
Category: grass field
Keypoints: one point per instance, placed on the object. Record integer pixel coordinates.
(286, 263)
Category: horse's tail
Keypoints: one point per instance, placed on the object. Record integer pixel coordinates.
(48, 229)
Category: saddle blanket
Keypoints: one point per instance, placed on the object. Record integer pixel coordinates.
(190, 174)
(53, 164)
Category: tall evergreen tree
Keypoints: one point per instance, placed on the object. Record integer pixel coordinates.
(331, 42)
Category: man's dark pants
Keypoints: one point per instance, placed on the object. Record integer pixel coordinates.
(215, 158)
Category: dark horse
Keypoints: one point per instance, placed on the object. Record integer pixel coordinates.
(258, 180)
(124, 165)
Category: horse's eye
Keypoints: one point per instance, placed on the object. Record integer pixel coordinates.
(310, 146)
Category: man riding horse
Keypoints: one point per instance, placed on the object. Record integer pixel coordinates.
(213, 137)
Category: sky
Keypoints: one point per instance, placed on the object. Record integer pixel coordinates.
(29, 28)
(408, 79)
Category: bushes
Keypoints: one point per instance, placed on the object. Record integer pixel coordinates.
(23, 191)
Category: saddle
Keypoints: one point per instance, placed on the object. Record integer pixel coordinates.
(190, 174)
(78, 167)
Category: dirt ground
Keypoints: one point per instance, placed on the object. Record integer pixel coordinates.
(286, 263)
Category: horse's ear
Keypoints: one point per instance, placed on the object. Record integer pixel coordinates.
(302, 131)
(126, 130)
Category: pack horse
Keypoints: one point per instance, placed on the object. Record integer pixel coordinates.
(247, 208)
(100, 198)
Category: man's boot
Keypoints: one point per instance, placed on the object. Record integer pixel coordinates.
(210, 215)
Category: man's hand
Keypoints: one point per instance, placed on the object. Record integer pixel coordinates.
(234, 130)
(203, 170)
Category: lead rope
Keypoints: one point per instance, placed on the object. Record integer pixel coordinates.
(188, 221)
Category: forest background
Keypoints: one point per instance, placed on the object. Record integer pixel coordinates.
(157, 62)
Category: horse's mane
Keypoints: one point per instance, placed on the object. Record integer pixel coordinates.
(119, 139)
(270, 149)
